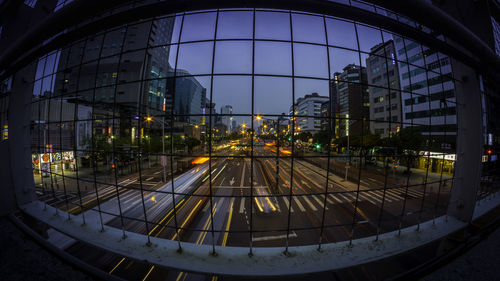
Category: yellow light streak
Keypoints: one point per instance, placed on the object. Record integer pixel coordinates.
(224, 240)
(202, 235)
(200, 160)
(258, 205)
(116, 266)
(186, 220)
(149, 272)
(271, 204)
(164, 218)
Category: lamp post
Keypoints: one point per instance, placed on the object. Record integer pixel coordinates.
(348, 158)
(278, 149)
(277, 133)
(164, 159)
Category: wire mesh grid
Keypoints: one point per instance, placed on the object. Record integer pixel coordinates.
(328, 130)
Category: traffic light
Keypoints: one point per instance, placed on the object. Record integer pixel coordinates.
(489, 151)
(318, 146)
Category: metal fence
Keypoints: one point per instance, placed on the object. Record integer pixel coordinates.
(254, 128)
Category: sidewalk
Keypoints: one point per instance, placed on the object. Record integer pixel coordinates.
(395, 176)
(22, 259)
(479, 263)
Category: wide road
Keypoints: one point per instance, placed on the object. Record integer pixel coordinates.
(279, 205)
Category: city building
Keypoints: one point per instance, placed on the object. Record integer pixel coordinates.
(428, 97)
(385, 97)
(351, 91)
(190, 97)
(308, 112)
(225, 118)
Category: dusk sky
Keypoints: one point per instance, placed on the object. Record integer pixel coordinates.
(273, 95)
(273, 56)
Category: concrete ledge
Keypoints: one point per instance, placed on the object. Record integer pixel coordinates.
(485, 205)
(235, 260)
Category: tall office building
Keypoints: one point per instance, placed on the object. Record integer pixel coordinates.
(190, 98)
(308, 108)
(226, 117)
(385, 100)
(428, 99)
(353, 101)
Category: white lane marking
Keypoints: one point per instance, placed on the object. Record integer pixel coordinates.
(157, 173)
(301, 207)
(205, 208)
(309, 203)
(242, 205)
(274, 237)
(321, 203)
(148, 179)
(243, 174)
(220, 201)
(287, 204)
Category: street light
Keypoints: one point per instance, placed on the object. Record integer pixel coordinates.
(164, 159)
(347, 124)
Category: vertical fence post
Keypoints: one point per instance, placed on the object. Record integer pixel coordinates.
(20, 135)
(469, 142)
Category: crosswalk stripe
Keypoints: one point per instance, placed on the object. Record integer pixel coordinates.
(320, 202)
(301, 207)
(389, 195)
(242, 205)
(375, 193)
(353, 196)
(327, 199)
(277, 204)
(309, 203)
(287, 204)
(395, 194)
(368, 198)
(415, 193)
(336, 199)
(345, 197)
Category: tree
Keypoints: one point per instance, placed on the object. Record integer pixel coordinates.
(407, 142)
(304, 136)
(178, 143)
(191, 143)
(322, 137)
